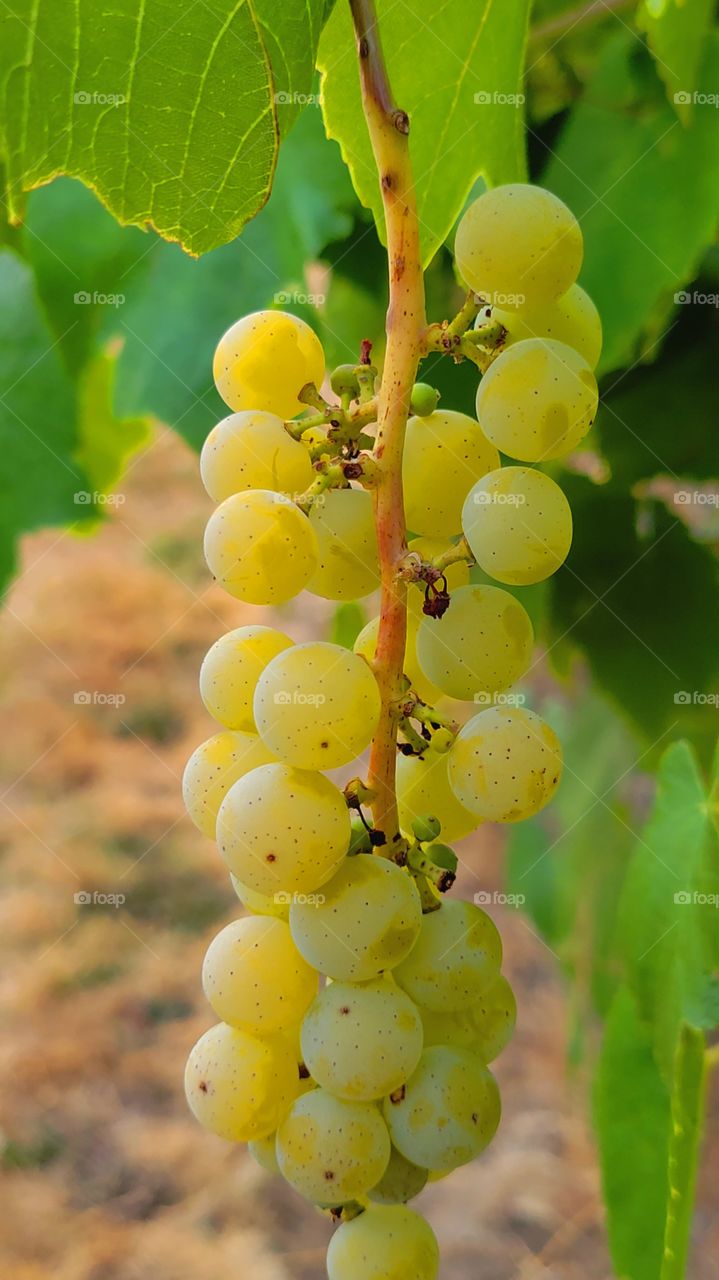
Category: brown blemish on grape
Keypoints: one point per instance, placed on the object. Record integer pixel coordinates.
(398, 1095)
(203, 1086)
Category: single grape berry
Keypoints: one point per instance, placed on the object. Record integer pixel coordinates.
(264, 360)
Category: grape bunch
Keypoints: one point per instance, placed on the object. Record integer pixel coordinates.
(359, 1007)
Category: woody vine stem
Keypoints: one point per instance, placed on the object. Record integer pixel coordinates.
(406, 321)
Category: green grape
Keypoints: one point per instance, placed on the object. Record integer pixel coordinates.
(423, 789)
(424, 399)
(485, 1026)
(231, 669)
(481, 645)
(363, 1040)
(448, 1111)
(252, 450)
(365, 921)
(260, 547)
(348, 566)
(519, 525)
(573, 319)
(518, 245)
(537, 400)
(213, 768)
(505, 764)
(261, 904)
(366, 644)
(386, 1242)
(254, 977)
(331, 1150)
(400, 1182)
(264, 1154)
(238, 1085)
(456, 958)
(456, 575)
(283, 831)
(444, 454)
(264, 360)
(317, 705)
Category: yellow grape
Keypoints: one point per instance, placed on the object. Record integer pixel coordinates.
(518, 524)
(400, 1182)
(260, 904)
(386, 1242)
(366, 644)
(481, 645)
(537, 400)
(444, 454)
(260, 547)
(231, 669)
(252, 450)
(264, 1154)
(573, 319)
(213, 768)
(265, 359)
(361, 1040)
(518, 244)
(348, 566)
(238, 1085)
(331, 1150)
(447, 1113)
(505, 764)
(423, 791)
(485, 1026)
(255, 978)
(283, 831)
(455, 959)
(317, 705)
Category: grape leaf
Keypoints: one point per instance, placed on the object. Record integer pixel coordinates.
(105, 443)
(625, 165)
(457, 70)
(676, 31)
(688, 1104)
(173, 121)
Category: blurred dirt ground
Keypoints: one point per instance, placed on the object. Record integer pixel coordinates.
(105, 1175)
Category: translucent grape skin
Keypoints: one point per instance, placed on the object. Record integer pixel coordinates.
(252, 450)
(331, 1150)
(537, 400)
(317, 704)
(481, 645)
(400, 1182)
(231, 669)
(485, 1027)
(384, 1243)
(263, 1152)
(260, 547)
(348, 564)
(239, 1086)
(254, 977)
(505, 764)
(517, 245)
(573, 319)
(261, 904)
(423, 790)
(283, 830)
(366, 644)
(361, 1040)
(444, 454)
(213, 768)
(366, 920)
(456, 958)
(264, 360)
(448, 1111)
(518, 524)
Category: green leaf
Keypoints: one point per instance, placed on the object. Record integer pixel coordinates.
(41, 479)
(347, 622)
(457, 71)
(687, 1115)
(173, 123)
(676, 31)
(625, 165)
(632, 1119)
(105, 442)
